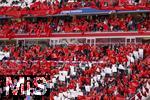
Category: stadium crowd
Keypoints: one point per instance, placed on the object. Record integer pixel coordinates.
(19, 8)
(78, 24)
(73, 4)
(78, 72)
(83, 72)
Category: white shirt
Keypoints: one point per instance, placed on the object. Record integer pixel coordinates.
(62, 78)
(90, 64)
(96, 84)
(87, 88)
(141, 53)
(121, 67)
(98, 77)
(136, 54)
(72, 70)
(56, 98)
(64, 73)
(107, 70)
(132, 59)
(41, 86)
(103, 73)
(54, 80)
(51, 85)
(114, 68)
(37, 93)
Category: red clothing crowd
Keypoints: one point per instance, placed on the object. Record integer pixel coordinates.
(21, 8)
(140, 22)
(86, 72)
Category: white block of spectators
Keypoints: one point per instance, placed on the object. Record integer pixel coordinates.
(88, 88)
(136, 54)
(114, 68)
(121, 67)
(54, 80)
(141, 52)
(41, 86)
(62, 78)
(103, 73)
(129, 60)
(72, 70)
(4, 54)
(132, 59)
(37, 93)
(64, 73)
(107, 70)
(51, 85)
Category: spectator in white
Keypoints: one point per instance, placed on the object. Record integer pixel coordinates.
(121, 67)
(103, 73)
(62, 77)
(58, 28)
(51, 85)
(107, 70)
(141, 52)
(131, 58)
(136, 55)
(72, 0)
(111, 28)
(77, 87)
(72, 70)
(114, 68)
(54, 80)
(56, 98)
(88, 88)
